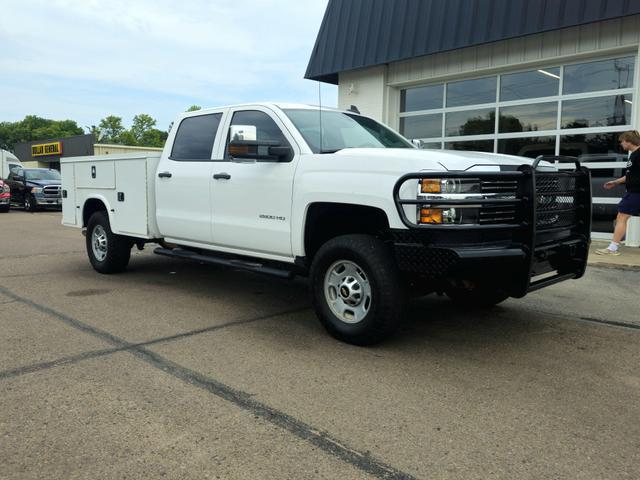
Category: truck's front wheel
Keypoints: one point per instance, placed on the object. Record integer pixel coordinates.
(356, 290)
(108, 252)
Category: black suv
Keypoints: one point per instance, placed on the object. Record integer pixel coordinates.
(35, 187)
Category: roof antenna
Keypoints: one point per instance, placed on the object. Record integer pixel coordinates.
(320, 112)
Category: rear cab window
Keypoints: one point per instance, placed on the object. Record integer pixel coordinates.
(195, 138)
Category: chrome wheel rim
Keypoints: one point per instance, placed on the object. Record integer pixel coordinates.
(27, 204)
(99, 243)
(347, 291)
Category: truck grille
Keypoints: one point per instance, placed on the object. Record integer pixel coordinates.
(556, 201)
(52, 191)
(503, 213)
(506, 188)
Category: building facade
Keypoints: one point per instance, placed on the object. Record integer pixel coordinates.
(47, 153)
(520, 77)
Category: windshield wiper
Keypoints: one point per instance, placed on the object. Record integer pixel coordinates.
(330, 151)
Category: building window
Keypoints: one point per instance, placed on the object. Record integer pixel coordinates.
(597, 112)
(528, 146)
(542, 82)
(602, 75)
(422, 126)
(523, 118)
(471, 92)
(421, 98)
(543, 103)
(470, 122)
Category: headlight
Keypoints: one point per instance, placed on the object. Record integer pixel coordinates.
(442, 189)
(36, 190)
(449, 185)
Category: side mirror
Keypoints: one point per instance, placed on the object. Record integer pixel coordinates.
(18, 178)
(418, 143)
(260, 150)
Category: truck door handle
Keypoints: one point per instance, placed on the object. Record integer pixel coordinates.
(164, 174)
(222, 176)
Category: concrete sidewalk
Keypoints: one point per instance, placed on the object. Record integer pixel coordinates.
(628, 260)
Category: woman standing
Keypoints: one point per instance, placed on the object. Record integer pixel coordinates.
(630, 203)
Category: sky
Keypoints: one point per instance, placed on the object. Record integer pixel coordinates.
(86, 59)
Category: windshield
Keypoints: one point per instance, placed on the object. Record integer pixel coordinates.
(36, 175)
(343, 130)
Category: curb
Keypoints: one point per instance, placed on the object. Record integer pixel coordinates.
(633, 268)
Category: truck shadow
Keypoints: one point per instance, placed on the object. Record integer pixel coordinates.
(431, 319)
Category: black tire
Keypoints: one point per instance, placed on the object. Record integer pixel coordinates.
(117, 250)
(478, 297)
(5, 208)
(29, 203)
(386, 299)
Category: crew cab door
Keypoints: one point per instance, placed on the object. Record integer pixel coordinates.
(183, 179)
(251, 200)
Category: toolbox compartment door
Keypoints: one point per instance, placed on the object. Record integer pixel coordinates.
(69, 207)
(130, 205)
(98, 174)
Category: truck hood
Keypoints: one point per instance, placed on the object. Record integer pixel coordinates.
(43, 183)
(415, 159)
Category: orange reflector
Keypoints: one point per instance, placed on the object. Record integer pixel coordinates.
(236, 150)
(430, 185)
(430, 215)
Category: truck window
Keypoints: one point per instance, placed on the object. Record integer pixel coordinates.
(195, 137)
(265, 127)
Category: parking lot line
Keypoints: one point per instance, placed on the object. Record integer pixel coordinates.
(334, 447)
(72, 359)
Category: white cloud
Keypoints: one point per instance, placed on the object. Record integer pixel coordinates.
(96, 55)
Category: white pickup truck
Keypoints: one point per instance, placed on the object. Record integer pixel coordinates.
(336, 196)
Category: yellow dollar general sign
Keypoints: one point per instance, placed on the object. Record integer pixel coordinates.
(53, 148)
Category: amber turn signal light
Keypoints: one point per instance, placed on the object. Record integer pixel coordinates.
(430, 185)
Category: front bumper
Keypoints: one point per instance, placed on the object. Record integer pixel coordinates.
(546, 241)
(48, 201)
(505, 266)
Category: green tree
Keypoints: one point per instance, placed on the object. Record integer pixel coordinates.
(142, 124)
(111, 128)
(153, 138)
(126, 138)
(33, 128)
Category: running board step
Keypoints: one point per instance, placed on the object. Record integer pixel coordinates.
(227, 262)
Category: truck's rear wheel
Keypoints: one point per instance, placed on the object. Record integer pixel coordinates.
(477, 296)
(356, 289)
(108, 252)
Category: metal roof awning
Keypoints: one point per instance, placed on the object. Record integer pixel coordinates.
(364, 33)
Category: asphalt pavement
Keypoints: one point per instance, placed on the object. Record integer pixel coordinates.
(180, 370)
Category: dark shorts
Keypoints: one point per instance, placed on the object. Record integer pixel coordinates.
(630, 204)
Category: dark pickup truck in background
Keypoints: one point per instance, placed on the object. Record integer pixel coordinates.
(33, 188)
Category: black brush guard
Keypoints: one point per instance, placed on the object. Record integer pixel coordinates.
(551, 225)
